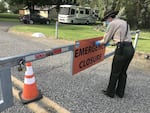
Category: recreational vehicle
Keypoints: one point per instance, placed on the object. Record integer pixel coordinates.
(76, 14)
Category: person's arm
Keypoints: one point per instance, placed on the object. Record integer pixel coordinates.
(108, 35)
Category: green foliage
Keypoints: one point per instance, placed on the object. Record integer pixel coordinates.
(15, 5)
(136, 12)
(9, 16)
(2, 7)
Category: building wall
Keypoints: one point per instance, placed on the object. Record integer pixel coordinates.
(50, 13)
(44, 14)
(24, 12)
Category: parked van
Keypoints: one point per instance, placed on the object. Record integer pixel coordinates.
(77, 15)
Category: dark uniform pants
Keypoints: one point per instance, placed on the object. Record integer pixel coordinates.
(122, 58)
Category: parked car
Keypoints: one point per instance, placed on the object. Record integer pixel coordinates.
(31, 19)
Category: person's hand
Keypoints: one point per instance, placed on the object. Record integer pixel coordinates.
(99, 42)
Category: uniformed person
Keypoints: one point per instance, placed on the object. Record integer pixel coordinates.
(118, 30)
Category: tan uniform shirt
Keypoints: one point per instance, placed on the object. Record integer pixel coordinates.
(116, 31)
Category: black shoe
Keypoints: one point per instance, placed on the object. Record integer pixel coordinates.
(120, 96)
(106, 93)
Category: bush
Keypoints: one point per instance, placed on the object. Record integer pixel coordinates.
(9, 15)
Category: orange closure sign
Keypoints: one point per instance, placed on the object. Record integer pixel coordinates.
(86, 54)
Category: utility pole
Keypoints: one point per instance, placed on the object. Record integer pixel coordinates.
(58, 2)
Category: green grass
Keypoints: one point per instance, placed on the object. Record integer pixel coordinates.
(77, 32)
(45, 29)
(67, 32)
(144, 41)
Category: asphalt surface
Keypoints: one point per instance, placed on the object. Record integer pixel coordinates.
(4, 26)
(80, 93)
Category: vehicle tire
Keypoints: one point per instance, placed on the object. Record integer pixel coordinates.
(72, 21)
(87, 22)
(47, 22)
(31, 22)
(25, 22)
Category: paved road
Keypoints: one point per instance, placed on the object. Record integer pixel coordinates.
(4, 26)
(80, 93)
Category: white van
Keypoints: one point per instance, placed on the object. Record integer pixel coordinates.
(76, 15)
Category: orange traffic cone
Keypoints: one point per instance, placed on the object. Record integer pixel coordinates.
(30, 92)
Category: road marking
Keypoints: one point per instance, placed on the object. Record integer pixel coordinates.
(50, 103)
(44, 100)
(33, 106)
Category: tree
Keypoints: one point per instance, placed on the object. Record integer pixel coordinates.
(31, 3)
(2, 7)
(15, 5)
(136, 12)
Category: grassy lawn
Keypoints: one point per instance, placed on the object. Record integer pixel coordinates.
(67, 32)
(144, 41)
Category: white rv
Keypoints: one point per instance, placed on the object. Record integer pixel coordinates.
(76, 15)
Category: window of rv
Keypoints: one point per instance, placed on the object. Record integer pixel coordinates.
(81, 12)
(87, 11)
(64, 10)
(72, 11)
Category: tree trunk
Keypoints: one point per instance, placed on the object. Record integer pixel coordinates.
(137, 14)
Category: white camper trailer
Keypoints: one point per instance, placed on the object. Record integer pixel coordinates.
(76, 15)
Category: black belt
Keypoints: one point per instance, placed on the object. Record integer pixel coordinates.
(125, 43)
